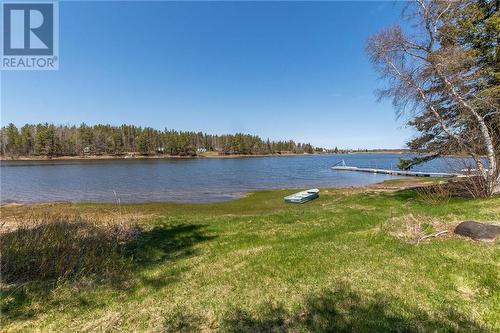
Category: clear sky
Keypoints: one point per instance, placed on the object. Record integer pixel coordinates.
(281, 70)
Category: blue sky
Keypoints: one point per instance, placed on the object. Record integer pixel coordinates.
(280, 70)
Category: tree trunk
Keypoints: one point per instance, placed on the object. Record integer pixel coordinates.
(492, 173)
(496, 186)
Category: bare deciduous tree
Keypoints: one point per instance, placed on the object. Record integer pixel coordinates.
(443, 71)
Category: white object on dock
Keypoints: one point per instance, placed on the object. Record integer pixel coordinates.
(395, 172)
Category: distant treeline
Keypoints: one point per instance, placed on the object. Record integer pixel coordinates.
(62, 140)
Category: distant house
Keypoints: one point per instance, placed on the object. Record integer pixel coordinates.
(160, 150)
(201, 150)
(87, 150)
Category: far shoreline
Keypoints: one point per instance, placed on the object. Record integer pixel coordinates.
(167, 157)
(137, 157)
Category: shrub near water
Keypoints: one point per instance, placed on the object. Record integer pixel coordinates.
(48, 247)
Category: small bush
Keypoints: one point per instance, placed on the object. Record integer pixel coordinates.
(47, 247)
(470, 187)
(434, 194)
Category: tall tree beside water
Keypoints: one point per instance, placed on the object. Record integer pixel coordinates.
(443, 70)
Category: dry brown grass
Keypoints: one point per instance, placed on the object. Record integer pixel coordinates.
(411, 229)
(44, 246)
(13, 215)
(435, 194)
(468, 187)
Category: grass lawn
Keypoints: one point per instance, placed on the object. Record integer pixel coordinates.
(347, 261)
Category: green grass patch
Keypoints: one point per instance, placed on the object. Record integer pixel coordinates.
(347, 261)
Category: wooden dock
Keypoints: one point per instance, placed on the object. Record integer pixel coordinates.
(395, 172)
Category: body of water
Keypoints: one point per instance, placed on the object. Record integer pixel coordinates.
(188, 180)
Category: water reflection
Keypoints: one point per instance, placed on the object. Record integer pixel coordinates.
(187, 180)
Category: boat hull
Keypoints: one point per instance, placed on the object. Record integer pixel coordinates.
(303, 196)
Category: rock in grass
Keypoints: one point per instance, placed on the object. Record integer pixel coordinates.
(476, 230)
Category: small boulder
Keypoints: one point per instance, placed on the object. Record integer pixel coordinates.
(476, 230)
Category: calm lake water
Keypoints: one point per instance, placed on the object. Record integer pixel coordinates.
(187, 180)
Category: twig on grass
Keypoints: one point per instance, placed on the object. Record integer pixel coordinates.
(432, 235)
